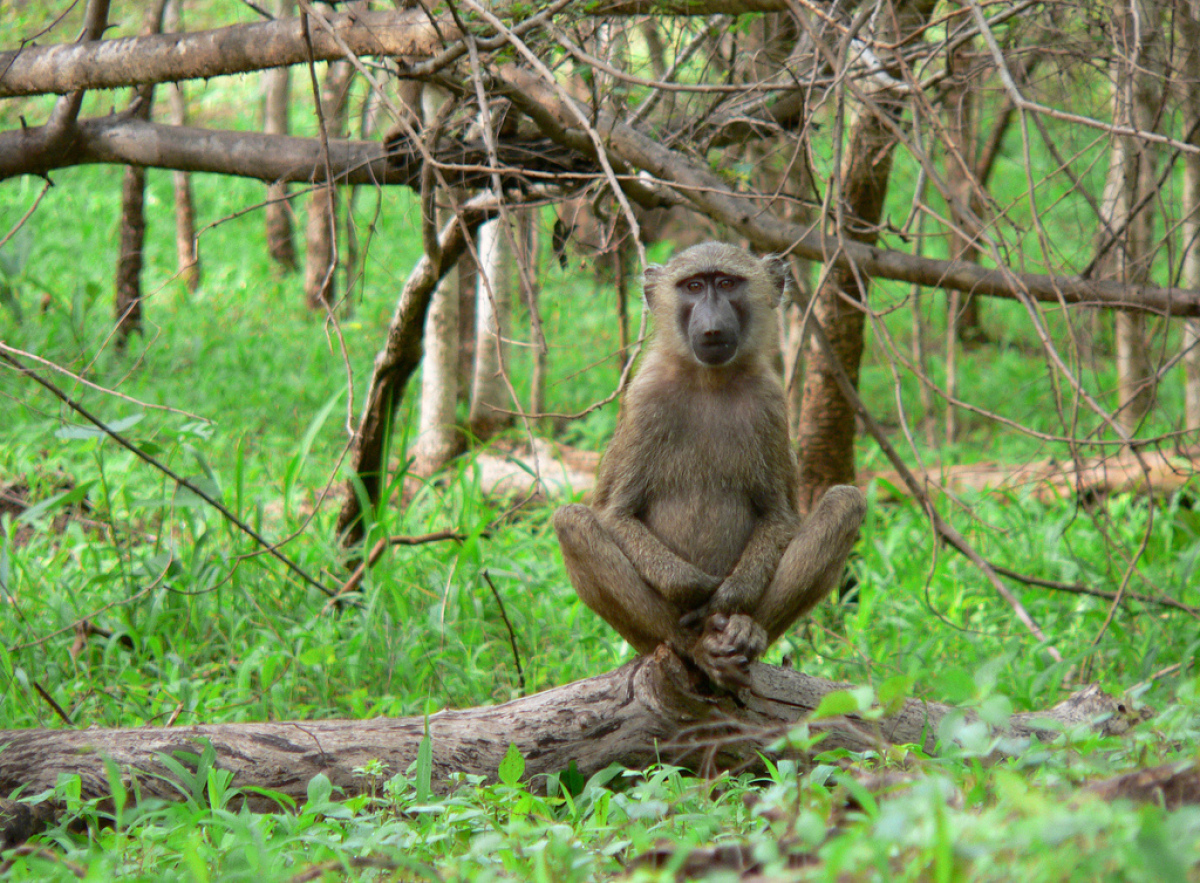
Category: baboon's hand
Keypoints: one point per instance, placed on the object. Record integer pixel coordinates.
(727, 599)
(686, 585)
(727, 647)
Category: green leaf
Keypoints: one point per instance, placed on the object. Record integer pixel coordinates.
(513, 766)
(893, 692)
(75, 431)
(424, 774)
(840, 702)
(317, 422)
(320, 789)
(65, 498)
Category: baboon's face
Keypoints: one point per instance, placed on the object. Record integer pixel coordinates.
(713, 314)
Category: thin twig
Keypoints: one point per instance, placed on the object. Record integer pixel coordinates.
(87, 415)
(25, 217)
(512, 637)
(1077, 589)
(54, 705)
(352, 582)
(46, 363)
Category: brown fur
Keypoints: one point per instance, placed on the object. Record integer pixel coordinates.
(693, 537)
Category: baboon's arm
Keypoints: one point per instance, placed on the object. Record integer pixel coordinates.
(677, 580)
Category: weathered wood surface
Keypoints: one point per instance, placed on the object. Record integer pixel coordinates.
(649, 709)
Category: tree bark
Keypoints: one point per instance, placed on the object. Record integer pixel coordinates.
(394, 365)
(128, 306)
(409, 34)
(529, 279)
(321, 255)
(651, 709)
(1127, 232)
(438, 436)
(1188, 23)
(162, 58)
(128, 292)
(964, 204)
(468, 284)
(277, 89)
(491, 403)
(187, 249)
(826, 426)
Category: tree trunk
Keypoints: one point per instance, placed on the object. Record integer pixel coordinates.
(438, 436)
(133, 217)
(528, 260)
(1127, 207)
(187, 248)
(491, 403)
(468, 283)
(649, 710)
(277, 89)
(1188, 20)
(963, 320)
(320, 235)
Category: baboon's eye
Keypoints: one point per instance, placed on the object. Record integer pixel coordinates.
(695, 286)
(726, 283)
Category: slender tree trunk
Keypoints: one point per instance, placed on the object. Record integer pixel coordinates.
(792, 342)
(133, 217)
(186, 246)
(277, 88)
(1127, 213)
(962, 323)
(468, 284)
(620, 256)
(129, 261)
(438, 436)
(1188, 19)
(491, 403)
(965, 204)
(368, 125)
(920, 354)
(320, 234)
(826, 431)
(528, 262)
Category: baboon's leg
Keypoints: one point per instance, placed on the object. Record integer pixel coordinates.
(812, 563)
(607, 582)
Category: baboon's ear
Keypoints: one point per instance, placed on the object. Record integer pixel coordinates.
(650, 278)
(779, 269)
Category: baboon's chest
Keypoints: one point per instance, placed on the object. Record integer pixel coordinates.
(706, 486)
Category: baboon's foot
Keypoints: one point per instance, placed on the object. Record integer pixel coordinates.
(727, 647)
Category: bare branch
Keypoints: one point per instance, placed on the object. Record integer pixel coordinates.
(709, 194)
(162, 58)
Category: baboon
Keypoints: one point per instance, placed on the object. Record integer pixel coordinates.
(693, 537)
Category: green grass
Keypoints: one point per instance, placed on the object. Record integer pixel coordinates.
(205, 628)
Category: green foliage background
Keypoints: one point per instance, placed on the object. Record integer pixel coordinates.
(206, 628)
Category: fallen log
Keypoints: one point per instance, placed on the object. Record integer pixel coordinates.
(1052, 480)
(653, 708)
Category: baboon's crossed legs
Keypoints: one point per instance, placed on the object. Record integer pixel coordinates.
(809, 568)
